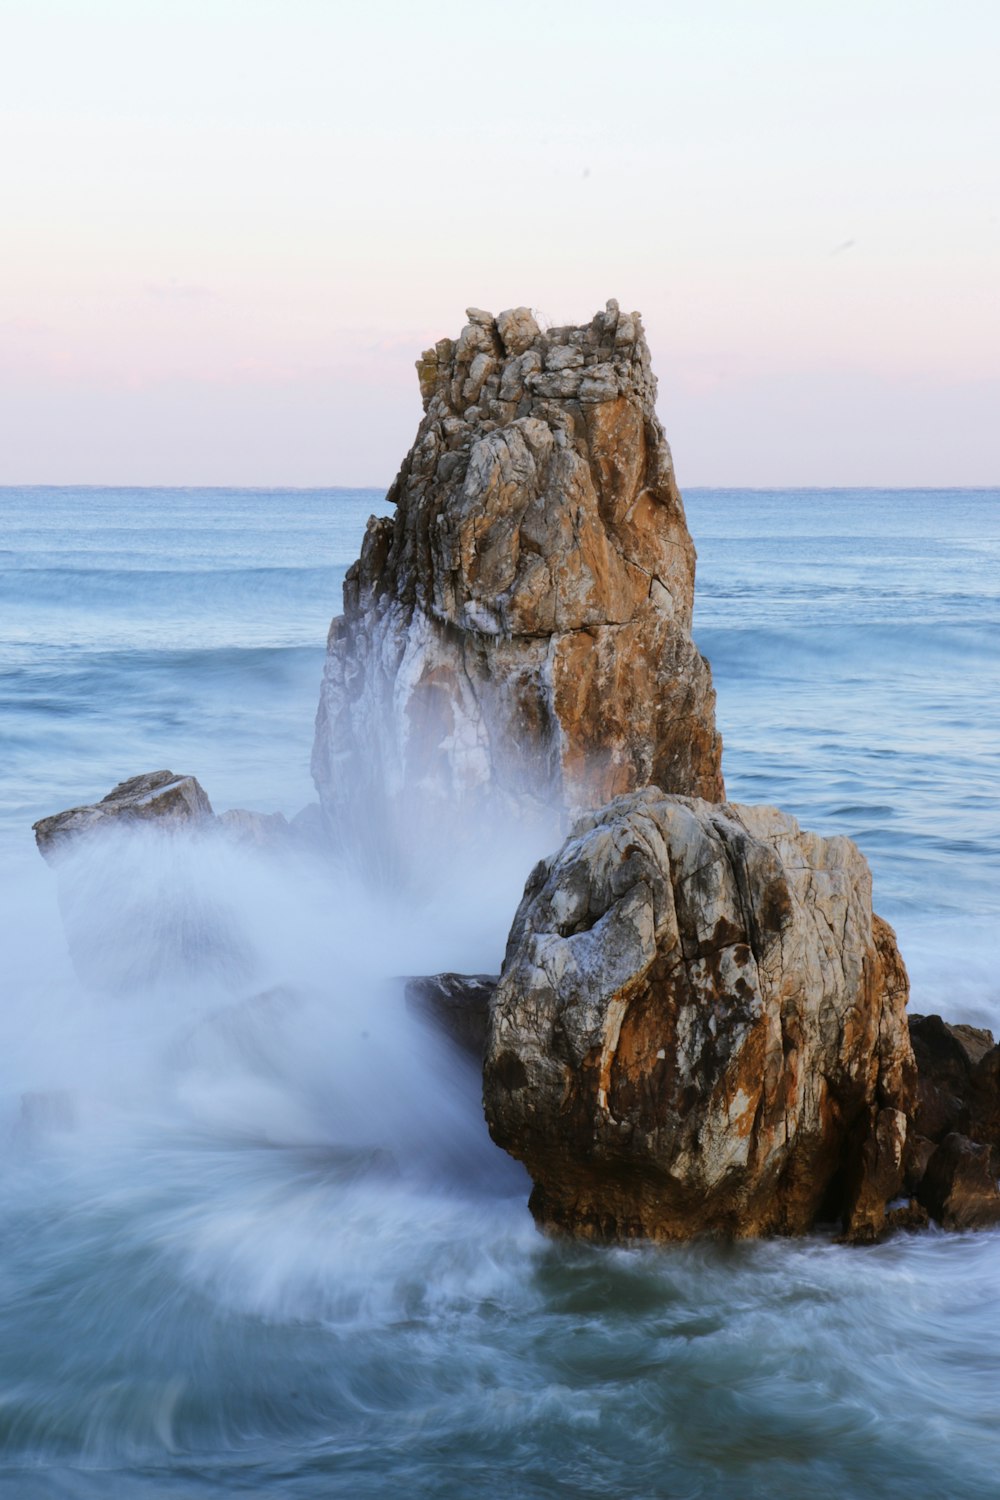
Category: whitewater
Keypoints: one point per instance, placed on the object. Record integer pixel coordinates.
(254, 1237)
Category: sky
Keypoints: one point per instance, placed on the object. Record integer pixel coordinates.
(228, 228)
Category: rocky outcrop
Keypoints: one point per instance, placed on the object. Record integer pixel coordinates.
(457, 1005)
(157, 797)
(517, 635)
(949, 1062)
(959, 1186)
(135, 881)
(953, 1149)
(700, 1026)
(165, 801)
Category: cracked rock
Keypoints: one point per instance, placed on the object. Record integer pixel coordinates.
(517, 635)
(700, 1027)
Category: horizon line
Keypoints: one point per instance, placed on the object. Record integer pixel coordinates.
(315, 489)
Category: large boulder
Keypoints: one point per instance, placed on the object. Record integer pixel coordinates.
(517, 635)
(156, 797)
(166, 802)
(700, 1026)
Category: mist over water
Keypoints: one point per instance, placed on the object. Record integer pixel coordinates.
(253, 1234)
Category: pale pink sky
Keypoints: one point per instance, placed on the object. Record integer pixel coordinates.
(229, 227)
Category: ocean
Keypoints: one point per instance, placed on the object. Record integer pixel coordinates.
(253, 1235)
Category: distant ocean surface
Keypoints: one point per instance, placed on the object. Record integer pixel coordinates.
(208, 1287)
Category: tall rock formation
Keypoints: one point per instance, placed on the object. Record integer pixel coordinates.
(700, 1027)
(517, 635)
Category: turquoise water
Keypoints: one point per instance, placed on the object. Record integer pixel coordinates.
(268, 1247)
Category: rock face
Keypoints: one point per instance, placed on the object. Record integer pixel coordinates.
(518, 633)
(700, 1026)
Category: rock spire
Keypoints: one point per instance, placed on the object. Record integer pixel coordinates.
(517, 635)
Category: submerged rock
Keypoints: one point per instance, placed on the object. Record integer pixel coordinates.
(308, 829)
(248, 1031)
(517, 635)
(700, 1026)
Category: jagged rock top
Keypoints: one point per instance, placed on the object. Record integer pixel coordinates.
(152, 797)
(504, 359)
(520, 627)
(166, 800)
(523, 430)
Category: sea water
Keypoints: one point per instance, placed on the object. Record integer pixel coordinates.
(253, 1235)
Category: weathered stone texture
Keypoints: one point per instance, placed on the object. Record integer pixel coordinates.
(518, 633)
(157, 797)
(700, 1026)
(163, 800)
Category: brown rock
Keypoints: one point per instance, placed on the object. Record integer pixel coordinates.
(166, 801)
(984, 1100)
(880, 1175)
(910, 1215)
(308, 829)
(700, 1027)
(959, 1188)
(947, 1058)
(916, 1157)
(518, 634)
